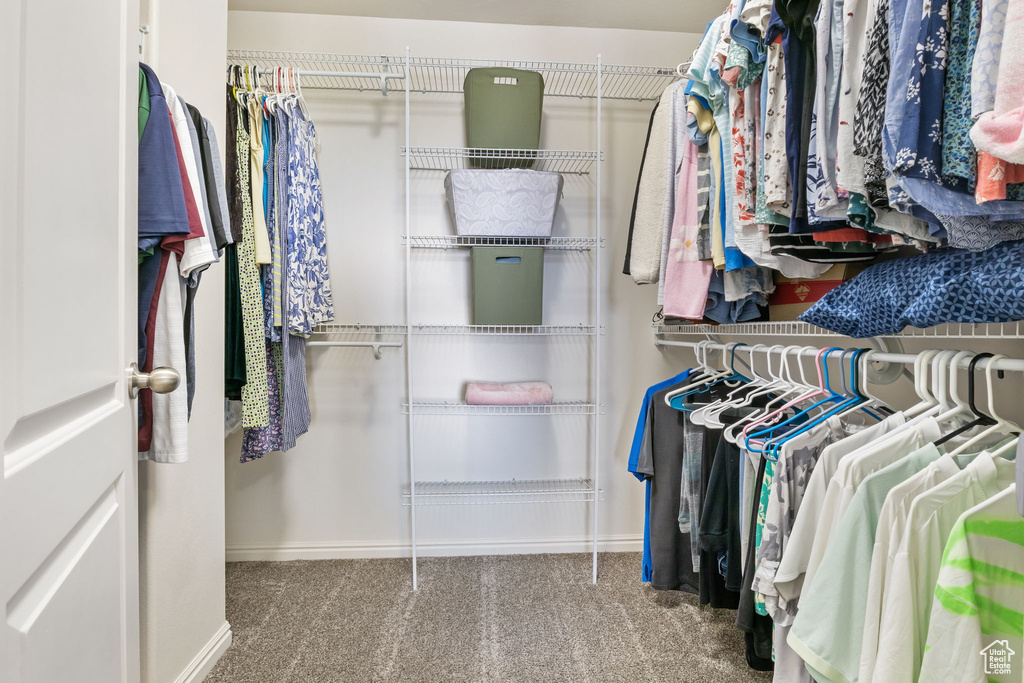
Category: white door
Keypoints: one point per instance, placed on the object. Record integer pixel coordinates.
(68, 510)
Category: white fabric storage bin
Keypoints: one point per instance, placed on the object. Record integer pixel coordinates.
(503, 202)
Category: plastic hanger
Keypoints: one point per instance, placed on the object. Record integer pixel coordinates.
(927, 400)
(779, 385)
(855, 400)
(298, 93)
(731, 375)
(700, 415)
(1002, 425)
(743, 396)
(790, 387)
(758, 387)
(821, 390)
(705, 377)
(959, 406)
(981, 419)
(847, 398)
(858, 389)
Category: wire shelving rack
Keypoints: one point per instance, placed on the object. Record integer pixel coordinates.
(456, 241)
(580, 330)
(408, 74)
(513, 491)
(566, 162)
(390, 73)
(457, 408)
(796, 328)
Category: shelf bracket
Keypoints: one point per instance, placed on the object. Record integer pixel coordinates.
(384, 92)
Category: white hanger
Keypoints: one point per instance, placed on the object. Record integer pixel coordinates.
(298, 93)
(788, 388)
(762, 386)
(701, 352)
(707, 415)
(959, 405)
(1002, 426)
(928, 400)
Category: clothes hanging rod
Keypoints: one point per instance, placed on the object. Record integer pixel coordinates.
(382, 76)
(1009, 364)
(339, 74)
(375, 345)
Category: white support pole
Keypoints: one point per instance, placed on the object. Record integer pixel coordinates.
(597, 326)
(408, 333)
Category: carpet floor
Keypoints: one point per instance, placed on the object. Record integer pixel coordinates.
(502, 618)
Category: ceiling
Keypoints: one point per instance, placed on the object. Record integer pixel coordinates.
(651, 15)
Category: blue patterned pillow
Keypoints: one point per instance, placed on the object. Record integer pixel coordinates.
(922, 291)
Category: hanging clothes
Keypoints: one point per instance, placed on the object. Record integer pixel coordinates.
(278, 284)
(838, 131)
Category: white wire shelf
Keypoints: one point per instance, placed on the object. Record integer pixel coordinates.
(446, 75)
(569, 162)
(508, 330)
(455, 241)
(430, 493)
(360, 329)
(370, 330)
(453, 408)
(1012, 330)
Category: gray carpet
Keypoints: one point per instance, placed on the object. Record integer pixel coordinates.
(504, 618)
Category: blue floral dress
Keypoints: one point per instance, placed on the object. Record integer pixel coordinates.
(310, 301)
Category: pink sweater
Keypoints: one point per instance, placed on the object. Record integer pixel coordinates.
(686, 277)
(509, 393)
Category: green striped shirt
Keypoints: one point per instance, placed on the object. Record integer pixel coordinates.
(976, 628)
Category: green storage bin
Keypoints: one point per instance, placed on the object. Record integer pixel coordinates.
(503, 111)
(508, 285)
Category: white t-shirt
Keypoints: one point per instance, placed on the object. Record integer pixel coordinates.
(891, 524)
(199, 251)
(789, 579)
(915, 571)
(170, 411)
(856, 467)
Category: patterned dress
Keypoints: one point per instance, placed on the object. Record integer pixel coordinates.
(255, 392)
(310, 301)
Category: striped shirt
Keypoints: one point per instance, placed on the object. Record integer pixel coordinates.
(975, 629)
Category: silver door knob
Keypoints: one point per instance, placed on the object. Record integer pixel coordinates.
(160, 380)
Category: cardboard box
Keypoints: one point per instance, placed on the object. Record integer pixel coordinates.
(794, 296)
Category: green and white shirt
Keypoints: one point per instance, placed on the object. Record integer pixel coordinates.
(977, 618)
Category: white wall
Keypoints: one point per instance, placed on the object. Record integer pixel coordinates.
(338, 493)
(182, 506)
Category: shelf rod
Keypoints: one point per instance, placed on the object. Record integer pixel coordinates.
(1008, 364)
(382, 76)
(375, 345)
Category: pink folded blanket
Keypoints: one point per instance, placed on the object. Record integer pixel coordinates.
(509, 393)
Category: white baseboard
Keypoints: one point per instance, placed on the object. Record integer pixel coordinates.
(207, 657)
(347, 550)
